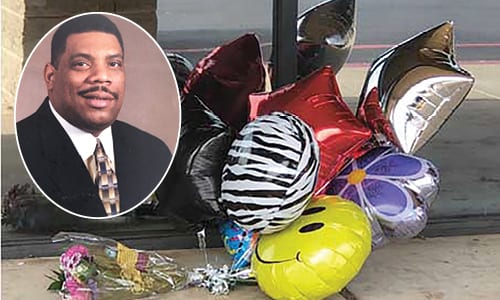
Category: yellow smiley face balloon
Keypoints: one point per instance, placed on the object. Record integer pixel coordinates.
(317, 255)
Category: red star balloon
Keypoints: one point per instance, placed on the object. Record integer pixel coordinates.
(316, 100)
(226, 76)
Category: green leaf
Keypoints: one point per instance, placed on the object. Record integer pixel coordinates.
(60, 275)
(57, 281)
(55, 286)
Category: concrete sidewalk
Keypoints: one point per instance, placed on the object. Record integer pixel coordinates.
(466, 267)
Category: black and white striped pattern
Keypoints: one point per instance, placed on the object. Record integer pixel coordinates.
(270, 173)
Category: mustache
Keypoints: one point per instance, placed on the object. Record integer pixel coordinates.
(98, 88)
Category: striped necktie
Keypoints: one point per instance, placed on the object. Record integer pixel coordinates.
(106, 181)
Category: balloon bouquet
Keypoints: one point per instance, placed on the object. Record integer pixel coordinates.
(300, 187)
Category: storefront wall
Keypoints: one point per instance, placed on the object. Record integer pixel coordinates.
(465, 150)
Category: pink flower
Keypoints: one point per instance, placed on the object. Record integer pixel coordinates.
(69, 261)
(75, 289)
(71, 258)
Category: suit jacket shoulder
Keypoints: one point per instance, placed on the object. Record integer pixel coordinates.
(141, 161)
(55, 165)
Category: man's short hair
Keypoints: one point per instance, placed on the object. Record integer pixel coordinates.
(85, 23)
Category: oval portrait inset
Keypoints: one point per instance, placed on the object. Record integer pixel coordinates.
(97, 115)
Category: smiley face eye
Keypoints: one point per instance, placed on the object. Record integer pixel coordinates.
(311, 227)
(313, 210)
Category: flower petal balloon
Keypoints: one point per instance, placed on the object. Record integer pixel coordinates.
(418, 84)
(192, 185)
(224, 78)
(270, 172)
(316, 99)
(395, 189)
(325, 36)
(317, 255)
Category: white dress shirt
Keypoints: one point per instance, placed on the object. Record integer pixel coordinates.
(85, 142)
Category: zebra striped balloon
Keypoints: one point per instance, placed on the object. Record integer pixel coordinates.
(270, 172)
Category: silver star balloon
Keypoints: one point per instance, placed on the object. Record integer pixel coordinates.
(417, 85)
(325, 35)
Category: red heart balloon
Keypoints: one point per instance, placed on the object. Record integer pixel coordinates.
(226, 76)
(316, 100)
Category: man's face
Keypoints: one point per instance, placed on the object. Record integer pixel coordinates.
(88, 85)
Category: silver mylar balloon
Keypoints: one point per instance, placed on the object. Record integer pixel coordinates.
(325, 35)
(395, 190)
(181, 66)
(418, 84)
(424, 191)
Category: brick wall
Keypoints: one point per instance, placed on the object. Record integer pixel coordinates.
(24, 22)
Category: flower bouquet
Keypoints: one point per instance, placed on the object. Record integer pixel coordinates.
(99, 268)
(94, 267)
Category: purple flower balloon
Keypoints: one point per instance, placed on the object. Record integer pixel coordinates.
(395, 190)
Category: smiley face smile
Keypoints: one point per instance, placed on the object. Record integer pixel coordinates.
(297, 258)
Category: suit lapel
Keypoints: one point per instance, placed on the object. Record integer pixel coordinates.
(125, 170)
(70, 176)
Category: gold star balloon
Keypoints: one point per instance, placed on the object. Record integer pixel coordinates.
(413, 88)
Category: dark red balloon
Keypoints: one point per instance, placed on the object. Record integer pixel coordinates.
(316, 100)
(371, 114)
(225, 78)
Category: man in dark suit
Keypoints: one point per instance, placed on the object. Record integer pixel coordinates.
(79, 155)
